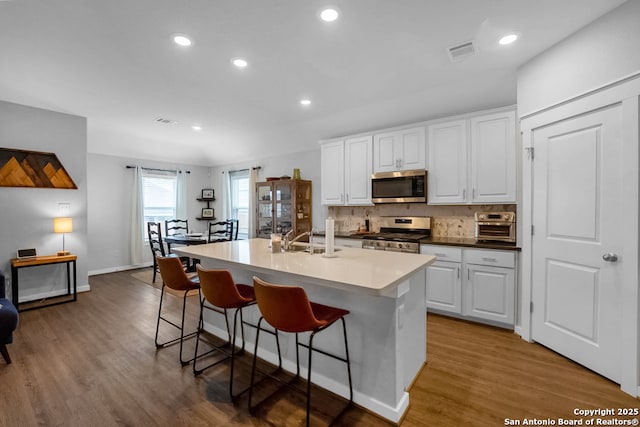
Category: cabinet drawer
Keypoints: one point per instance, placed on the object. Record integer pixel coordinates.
(488, 257)
(444, 253)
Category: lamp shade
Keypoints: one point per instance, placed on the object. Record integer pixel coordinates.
(62, 225)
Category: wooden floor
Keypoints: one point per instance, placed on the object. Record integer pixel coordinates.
(94, 363)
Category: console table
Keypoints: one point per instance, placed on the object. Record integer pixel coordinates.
(19, 263)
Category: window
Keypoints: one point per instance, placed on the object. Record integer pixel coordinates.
(239, 186)
(158, 197)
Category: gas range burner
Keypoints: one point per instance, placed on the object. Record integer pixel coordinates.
(398, 237)
(399, 234)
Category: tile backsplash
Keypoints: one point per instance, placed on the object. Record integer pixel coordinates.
(447, 221)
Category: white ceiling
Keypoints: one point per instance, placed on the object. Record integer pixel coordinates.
(383, 63)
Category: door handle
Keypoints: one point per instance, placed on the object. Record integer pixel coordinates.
(610, 257)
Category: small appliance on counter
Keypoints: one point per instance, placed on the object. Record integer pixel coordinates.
(496, 226)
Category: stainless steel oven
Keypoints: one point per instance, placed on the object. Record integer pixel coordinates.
(496, 226)
(399, 187)
(399, 234)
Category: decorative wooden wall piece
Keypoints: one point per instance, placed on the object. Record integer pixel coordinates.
(22, 168)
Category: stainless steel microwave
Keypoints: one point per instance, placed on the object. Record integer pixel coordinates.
(408, 186)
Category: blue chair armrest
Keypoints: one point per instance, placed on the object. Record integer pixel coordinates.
(2, 294)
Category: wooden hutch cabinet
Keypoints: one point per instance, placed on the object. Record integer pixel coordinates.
(283, 205)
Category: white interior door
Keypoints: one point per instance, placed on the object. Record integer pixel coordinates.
(577, 206)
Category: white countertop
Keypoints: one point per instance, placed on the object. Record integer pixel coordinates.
(354, 270)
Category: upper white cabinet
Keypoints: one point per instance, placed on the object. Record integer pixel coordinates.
(447, 182)
(346, 171)
(473, 160)
(399, 150)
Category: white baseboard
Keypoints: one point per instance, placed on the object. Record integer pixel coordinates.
(52, 294)
(120, 268)
(393, 414)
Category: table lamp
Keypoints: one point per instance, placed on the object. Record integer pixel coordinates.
(63, 225)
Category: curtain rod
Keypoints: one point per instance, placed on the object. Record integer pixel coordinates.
(245, 169)
(158, 170)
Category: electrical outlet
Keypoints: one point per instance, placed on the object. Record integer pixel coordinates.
(64, 209)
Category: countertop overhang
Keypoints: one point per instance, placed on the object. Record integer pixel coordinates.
(364, 271)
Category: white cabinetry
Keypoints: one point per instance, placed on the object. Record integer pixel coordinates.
(346, 171)
(399, 150)
(478, 284)
(448, 162)
(473, 160)
(444, 286)
(489, 285)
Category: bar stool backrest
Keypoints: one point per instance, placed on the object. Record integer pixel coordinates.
(219, 288)
(286, 308)
(173, 274)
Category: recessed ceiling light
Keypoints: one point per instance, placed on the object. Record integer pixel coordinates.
(182, 40)
(239, 62)
(329, 14)
(508, 39)
(305, 102)
(197, 128)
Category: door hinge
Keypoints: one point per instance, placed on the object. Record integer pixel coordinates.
(531, 307)
(530, 153)
(532, 230)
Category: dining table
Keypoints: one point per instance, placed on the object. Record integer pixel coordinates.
(185, 239)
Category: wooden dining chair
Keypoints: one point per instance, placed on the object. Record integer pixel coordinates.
(176, 226)
(221, 231)
(154, 234)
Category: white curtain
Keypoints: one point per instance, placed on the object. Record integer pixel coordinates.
(136, 239)
(253, 178)
(181, 195)
(226, 197)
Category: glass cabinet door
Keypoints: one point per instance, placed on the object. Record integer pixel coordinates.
(283, 211)
(264, 209)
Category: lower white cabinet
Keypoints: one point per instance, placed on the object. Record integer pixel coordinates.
(444, 290)
(478, 284)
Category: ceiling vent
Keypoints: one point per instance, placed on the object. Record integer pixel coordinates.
(165, 121)
(461, 51)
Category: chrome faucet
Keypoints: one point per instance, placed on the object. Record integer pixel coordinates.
(288, 243)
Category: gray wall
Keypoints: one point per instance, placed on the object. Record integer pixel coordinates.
(110, 184)
(309, 164)
(27, 213)
(600, 53)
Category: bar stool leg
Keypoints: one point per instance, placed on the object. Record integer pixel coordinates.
(253, 366)
(184, 307)
(309, 376)
(159, 313)
(297, 357)
(346, 350)
(233, 349)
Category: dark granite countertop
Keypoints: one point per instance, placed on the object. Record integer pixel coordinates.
(448, 241)
(470, 243)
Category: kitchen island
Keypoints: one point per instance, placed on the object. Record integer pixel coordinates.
(386, 329)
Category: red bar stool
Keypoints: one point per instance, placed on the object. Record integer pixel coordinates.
(288, 309)
(223, 294)
(174, 277)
